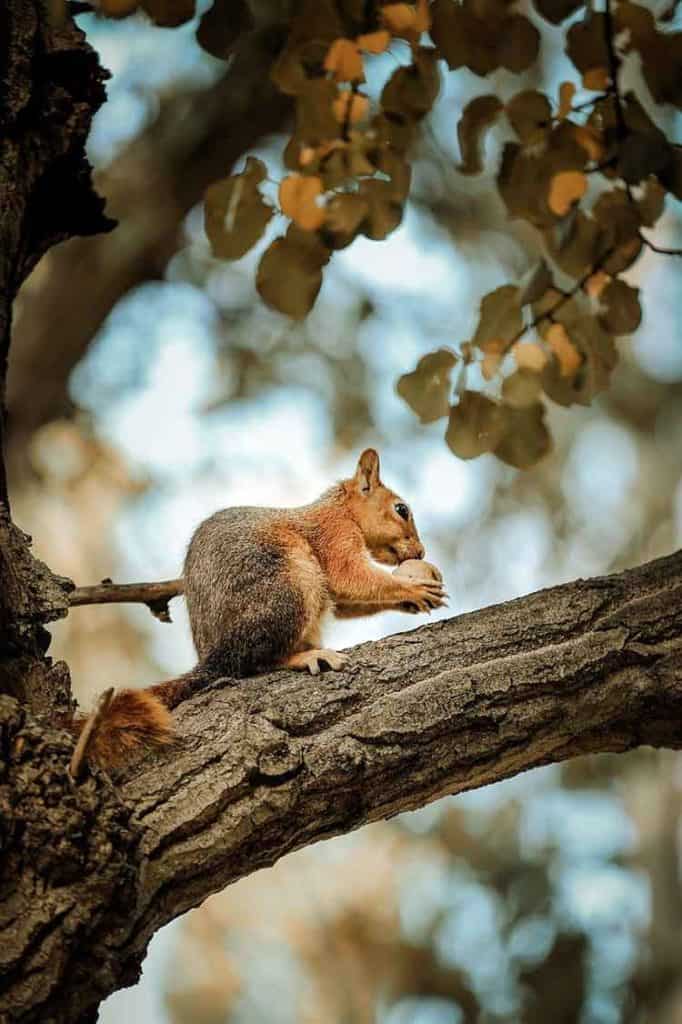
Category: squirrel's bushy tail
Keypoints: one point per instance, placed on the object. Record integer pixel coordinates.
(136, 720)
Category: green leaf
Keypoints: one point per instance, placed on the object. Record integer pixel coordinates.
(289, 275)
(476, 425)
(623, 313)
(235, 213)
(526, 439)
(427, 389)
(477, 115)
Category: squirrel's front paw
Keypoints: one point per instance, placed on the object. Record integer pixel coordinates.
(424, 588)
(424, 596)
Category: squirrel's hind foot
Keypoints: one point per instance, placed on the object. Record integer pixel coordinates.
(313, 660)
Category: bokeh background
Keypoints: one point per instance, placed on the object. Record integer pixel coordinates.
(150, 386)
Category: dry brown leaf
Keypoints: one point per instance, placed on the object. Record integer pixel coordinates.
(529, 356)
(596, 79)
(344, 60)
(590, 140)
(350, 107)
(566, 94)
(493, 346)
(565, 189)
(596, 284)
(401, 18)
(490, 365)
(563, 348)
(374, 42)
(298, 199)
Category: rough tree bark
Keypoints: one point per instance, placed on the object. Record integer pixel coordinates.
(150, 187)
(276, 762)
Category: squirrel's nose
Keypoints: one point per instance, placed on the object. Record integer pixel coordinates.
(419, 553)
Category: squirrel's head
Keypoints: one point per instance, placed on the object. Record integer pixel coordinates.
(384, 518)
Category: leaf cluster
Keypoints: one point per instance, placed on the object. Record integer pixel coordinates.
(589, 177)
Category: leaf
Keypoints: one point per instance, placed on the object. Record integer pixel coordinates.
(521, 388)
(565, 189)
(350, 107)
(169, 13)
(623, 313)
(529, 356)
(412, 90)
(290, 273)
(406, 19)
(385, 211)
(499, 316)
(477, 115)
(556, 11)
(221, 26)
(398, 17)
(482, 43)
(518, 43)
(596, 79)
(566, 94)
(596, 284)
(563, 348)
(235, 213)
(599, 356)
(651, 204)
(529, 112)
(298, 197)
(476, 425)
(641, 154)
(374, 42)
(539, 280)
(590, 140)
(586, 43)
(345, 214)
(427, 389)
(345, 61)
(315, 119)
(526, 438)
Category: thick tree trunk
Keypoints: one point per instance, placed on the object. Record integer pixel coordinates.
(282, 760)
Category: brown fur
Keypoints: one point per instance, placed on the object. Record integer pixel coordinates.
(134, 719)
(258, 583)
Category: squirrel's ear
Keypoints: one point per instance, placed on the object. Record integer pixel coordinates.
(367, 473)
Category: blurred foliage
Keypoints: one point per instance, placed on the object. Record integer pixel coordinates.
(588, 177)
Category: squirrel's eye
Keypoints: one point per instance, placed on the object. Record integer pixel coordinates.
(403, 511)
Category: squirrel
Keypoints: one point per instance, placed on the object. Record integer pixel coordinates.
(258, 582)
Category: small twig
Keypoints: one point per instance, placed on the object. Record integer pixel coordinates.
(155, 595)
(89, 729)
(565, 297)
(659, 248)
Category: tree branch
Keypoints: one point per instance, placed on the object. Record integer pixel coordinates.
(155, 595)
(279, 761)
